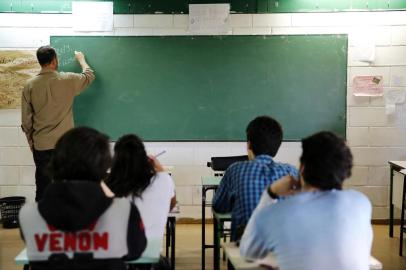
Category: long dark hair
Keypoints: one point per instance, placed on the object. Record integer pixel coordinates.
(132, 169)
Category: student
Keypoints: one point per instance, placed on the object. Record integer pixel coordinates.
(243, 182)
(76, 225)
(46, 108)
(322, 226)
(142, 179)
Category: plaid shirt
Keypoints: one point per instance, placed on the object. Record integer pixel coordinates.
(242, 186)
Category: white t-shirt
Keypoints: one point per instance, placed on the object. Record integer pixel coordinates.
(154, 204)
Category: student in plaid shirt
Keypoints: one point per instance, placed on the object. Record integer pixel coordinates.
(243, 182)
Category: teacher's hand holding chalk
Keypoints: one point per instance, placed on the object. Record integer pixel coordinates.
(80, 57)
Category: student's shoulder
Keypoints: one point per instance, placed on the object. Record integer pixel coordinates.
(120, 203)
(28, 211)
(286, 167)
(356, 197)
(162, 180)
(238, 165)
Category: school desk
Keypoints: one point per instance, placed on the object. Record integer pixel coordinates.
(395, 166)
(236, 262)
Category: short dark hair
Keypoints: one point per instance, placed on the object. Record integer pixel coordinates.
(264, 135)
(45, 55)
(81, 154)
(327, 160)
(132, 169)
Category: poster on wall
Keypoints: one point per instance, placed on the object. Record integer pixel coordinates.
(16, 67)
(92, 16)
(209, 18)
(371, 86)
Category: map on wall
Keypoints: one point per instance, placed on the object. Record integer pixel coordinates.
(16, 67)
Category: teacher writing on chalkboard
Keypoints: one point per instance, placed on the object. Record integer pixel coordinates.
(46, 108)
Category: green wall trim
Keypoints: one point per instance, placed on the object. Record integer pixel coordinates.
(181, 6)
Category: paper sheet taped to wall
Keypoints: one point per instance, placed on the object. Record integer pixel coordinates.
(92, 16)
(209, 18)
(368, 86)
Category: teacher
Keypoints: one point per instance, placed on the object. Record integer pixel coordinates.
(46, 108)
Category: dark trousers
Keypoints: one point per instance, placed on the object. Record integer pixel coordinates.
(42, 174)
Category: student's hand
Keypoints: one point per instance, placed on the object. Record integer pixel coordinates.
(79, 56)
(31, 145)
(157, 165)
(285, 186)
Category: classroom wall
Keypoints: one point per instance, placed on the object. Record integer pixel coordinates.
(374, 137)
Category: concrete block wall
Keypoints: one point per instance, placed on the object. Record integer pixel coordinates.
(373, 136)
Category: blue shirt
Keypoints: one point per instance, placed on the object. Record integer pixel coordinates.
(312, 231)
(242, 185)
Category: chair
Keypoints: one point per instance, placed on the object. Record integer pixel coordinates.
(220, 164)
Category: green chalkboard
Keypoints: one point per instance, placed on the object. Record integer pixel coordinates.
(207, 88)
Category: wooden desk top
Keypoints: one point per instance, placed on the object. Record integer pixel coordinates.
(211, 180)
(398, 163)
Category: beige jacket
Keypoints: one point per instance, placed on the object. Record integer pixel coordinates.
(46, 106)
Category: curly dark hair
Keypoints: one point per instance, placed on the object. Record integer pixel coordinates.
(132, 169)
(81, 154)
(327, 160)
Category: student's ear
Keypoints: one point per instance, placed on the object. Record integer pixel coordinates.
(301, 171)
(251, 155)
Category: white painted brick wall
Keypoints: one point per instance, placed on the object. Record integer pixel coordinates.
(358, 136)
(399, 35)
(373, 137)
(378, 176)
(387, 137)
(123, 21)
(359, 177)
(273, 20)
(398, 76)
(9, 136)
(371, 116)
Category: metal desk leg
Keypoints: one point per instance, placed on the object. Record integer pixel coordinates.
(203, 227)
(230, 265)
(168, 237)
(391, 203)
(26, 267)
(216, 241)
(173, 231)
(402, 218)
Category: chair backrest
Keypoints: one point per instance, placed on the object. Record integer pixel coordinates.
(222, 163)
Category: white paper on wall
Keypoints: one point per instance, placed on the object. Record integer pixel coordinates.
(92, 16)
(364, 41)
(400, 117)
(393, 97)
(209, 18)
(390, 108)
(371, 86)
